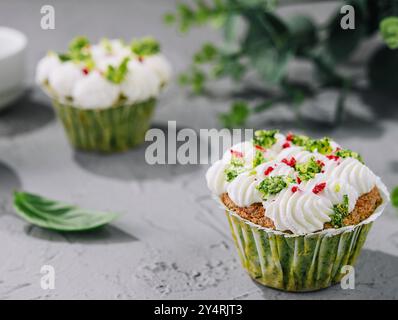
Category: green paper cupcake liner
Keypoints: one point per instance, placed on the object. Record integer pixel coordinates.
(304, 263)
(111, 129)
(299, 263)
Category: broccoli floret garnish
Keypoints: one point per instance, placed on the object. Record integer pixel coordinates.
(265, 138)
(258, 158)
(273, 185)
(346, 153)
(309, 169)
(340, 212)
(320, 145)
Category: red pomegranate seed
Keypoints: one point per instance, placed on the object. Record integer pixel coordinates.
(260, 148)
(319, 188)
(237, 154)
(333, 157)
(295, 189)
(286, 145)
(298, 180)
(321, 163)
(289, 136)
(268, 171)
(85, 71)
(290, 163)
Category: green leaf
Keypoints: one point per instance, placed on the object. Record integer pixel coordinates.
(325, 69)
(206, 54)
(117, 75)
(78, 43)
(195, 78)
(78, 49)
(382, 70)
(55, 215)
(389, 31)
(229, 66)
(268, 45)
(261, 4)
(169, 18)
(303, 31)
(394, 197)
(145, 47)
(63, 57)
(236, 116)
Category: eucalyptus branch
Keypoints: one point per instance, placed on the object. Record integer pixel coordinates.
(269, 42)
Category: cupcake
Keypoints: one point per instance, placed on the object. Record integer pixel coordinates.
(105, 93)
(299, 209)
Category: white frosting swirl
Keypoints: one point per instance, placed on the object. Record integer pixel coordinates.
(355, 173)
(141, 83)
(215, 177)
(95, 92)
(242, 190)
(278, 169)
(300, 212)
(297, 152)
(160, 66)
(246, 149)
(337, 188)
(45, 66)
(63, 78)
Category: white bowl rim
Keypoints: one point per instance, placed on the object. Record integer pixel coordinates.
(17, 46)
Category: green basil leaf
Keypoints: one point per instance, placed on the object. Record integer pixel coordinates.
(56, 215)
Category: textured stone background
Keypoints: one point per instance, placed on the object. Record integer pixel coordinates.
(172, 241)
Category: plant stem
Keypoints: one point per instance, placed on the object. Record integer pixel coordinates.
(339, 113)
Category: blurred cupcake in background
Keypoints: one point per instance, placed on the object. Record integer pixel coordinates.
(105, 94)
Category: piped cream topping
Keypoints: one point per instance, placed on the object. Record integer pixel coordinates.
(105, 74)
(299, 189)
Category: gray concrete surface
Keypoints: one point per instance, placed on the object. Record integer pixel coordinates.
(172, 241)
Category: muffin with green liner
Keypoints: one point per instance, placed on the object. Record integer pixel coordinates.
(105, 94)
(299, 209)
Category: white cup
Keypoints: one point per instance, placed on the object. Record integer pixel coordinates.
(12, 65)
